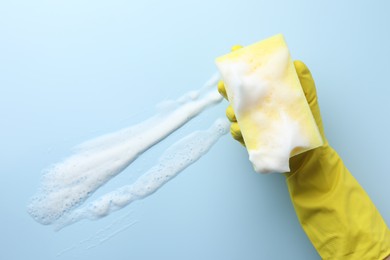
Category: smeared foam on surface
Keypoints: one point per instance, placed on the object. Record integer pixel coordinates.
(271, 109)
(175, 159)
(104, 234)
(68, 184)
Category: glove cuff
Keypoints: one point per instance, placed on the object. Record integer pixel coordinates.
(334, 210)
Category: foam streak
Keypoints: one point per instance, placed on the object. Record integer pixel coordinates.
(69, 183)
(175, 159)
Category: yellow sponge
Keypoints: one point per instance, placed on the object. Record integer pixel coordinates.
(271, 109)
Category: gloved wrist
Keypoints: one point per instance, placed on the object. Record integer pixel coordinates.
(337, 215)
(304, 161)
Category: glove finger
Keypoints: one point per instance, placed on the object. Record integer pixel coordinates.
(236, 47)
(309, 88)
(307, 82)
(236, 133)
(221, 89)
(221, 85)
(230, 114)
(234, 128)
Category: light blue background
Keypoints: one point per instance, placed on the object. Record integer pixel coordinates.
(72, 70)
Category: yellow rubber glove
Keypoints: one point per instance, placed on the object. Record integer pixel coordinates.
(335, 212)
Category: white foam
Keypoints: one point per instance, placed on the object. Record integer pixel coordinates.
(250, 87)
(269, 103)
(285, 135)
(174, 160)
(69, 183)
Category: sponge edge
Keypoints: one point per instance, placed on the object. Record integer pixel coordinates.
(271, 109)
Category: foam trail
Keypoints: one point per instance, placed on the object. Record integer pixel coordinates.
(166, 106)
(195, 94)
(176, 158)
(69, 183)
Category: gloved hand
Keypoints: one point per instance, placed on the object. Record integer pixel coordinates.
(334, 210)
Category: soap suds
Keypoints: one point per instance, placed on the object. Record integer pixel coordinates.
(175, 159)
(278, 153)
(68, 184)
(269, 103)
(250, 86)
